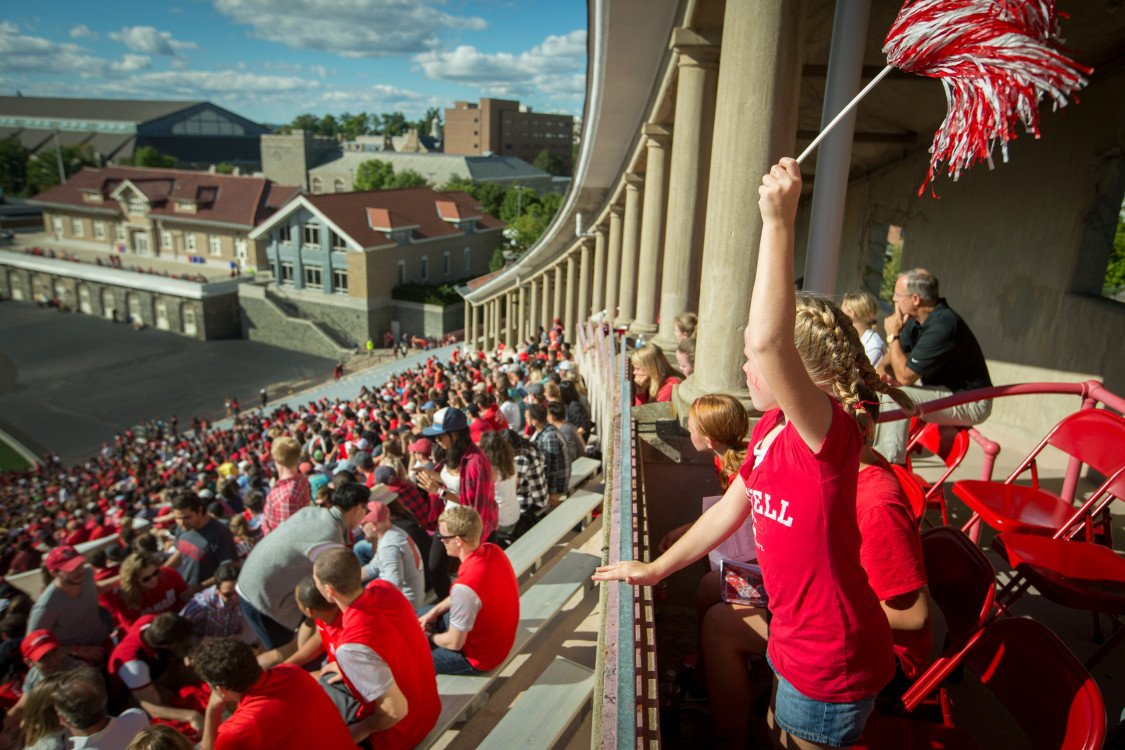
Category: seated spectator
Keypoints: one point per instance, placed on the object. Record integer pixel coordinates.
(244, 537)
(272, 710)
(413, 500)
(45, 659)
(146, 588)
(40, 723)
(27, 557)
(575, 446)
(160, 737)
(69, 608)
(473, 629)
(502, 458)
(577, 412)
(291, 492)
(863, 309)
(531, 477)
(316, 634)
(215, 612)
(653, 377)
(388, 692)
(286, 555)
(685, 356)
(80, 701)
(510, 408)
(202, 542)
(685, 325)
(556, 460)
(145, 655)
(397, 559)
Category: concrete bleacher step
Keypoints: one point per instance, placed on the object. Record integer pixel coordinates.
(461, 695)
(527, 551)
(539, 718)
(581, 469)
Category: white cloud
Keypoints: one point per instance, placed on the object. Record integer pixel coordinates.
(32, 54)
(150, 41)
(554, 69)
(82, 31)
(351, 28)
(130, 63)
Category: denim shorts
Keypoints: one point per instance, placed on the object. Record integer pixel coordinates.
(832, 724)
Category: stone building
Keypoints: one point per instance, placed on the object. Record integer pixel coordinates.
(505, 128)
(166, 213)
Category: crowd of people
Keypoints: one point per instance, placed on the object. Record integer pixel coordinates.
(114, 261)
(199, 582)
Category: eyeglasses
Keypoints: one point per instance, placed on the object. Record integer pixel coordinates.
(442, 537)
(151, 576)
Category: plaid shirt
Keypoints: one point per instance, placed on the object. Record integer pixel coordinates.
(477, 489)
(211, 617)
(556, 462)
(286, 498)
(531, 481)
(417, 502)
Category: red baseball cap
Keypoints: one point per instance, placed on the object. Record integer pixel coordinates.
(421, 445)
(63, 559)
(37, 644)
(377, 512)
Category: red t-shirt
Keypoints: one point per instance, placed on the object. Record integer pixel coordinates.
(890, 550)
(329, 632)
(284, 709)
(489, 573)
(132, 648)
(165, 597)
(663, 395)
(828, 637)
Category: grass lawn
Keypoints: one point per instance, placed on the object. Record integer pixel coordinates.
(10, 460)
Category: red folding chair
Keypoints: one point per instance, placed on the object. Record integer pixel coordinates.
(935, 439)
(1047, 692)
(913, 491)
(1094, 437)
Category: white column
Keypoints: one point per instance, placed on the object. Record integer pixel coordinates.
(657, 140)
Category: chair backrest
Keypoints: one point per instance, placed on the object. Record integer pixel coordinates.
(1044, 687)
(961, 580)
(1097, 438)
(914, 493)
(952, 452)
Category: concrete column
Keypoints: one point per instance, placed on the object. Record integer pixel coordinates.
(559, 305)
(597, 283)
(468, 318)
(697, 73)
(583, 296)
(486, 326)
(546, 313)
(613, 263)
(474, 321)
(510, 300)
(658, 137)
(496, 328)
(755, 124)
(571, 292)
(630, 238)
(521, 315)
(533, 309)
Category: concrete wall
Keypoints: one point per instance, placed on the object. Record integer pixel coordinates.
(264, 320)
(419, 319)
(1020, 250)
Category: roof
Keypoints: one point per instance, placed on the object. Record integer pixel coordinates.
(480, 281)
(120, 110)
(358, 214)
(227, 199)
(435, 167)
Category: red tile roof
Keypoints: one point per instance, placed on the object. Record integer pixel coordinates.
(356, 213)
(480, 281)
(454, 211)
(227, 199)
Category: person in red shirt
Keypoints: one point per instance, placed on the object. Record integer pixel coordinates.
(829, 640)
(143, 656)
(473, 629)
(292, 491)
(146, 588)
(381, 682)
(277, 709)
(653, 376)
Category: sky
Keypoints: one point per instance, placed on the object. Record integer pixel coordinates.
(271, 60)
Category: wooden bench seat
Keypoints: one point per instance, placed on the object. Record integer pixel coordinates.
(541, 715)
(581, 469)
(526, 552)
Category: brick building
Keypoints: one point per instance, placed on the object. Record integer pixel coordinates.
(504, 128)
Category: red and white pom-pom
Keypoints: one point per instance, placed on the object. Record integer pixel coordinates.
(996, 60)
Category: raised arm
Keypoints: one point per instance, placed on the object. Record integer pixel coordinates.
(769, 333)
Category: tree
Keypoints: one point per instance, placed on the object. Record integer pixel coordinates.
(424, 124)
(458, 182)
(517, 200)
(374, 175)
(13, 166)
(43, 171)
(490, 195)
(224, 168)
(407, 179)
(147, 156)
(329, 126)
(353, 126)
(1115, 269)
(394, 123)
(306, 122)
(496, 262)
(551, 164)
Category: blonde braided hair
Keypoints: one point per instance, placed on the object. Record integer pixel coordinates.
(829, 346)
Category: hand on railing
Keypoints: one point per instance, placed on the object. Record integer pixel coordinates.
(632, 572)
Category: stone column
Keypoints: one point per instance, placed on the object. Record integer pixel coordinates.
(497, 330)
(597, 284)
(558, 311)
(546, 313)
(755, 124)
(486, 326)
(697, 63)
(630, 237)
(521, 316)
(533, 309)
(571, 293)
(583, 296)
(468, 319)
(471, 334)
(510, 300)
(613, 264)
(657, 140)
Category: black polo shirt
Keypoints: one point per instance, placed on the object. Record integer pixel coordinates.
(943, 351)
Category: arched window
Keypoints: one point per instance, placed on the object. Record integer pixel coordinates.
(338, 185)
(316, 186)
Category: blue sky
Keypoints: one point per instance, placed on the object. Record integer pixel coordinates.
(271, 60)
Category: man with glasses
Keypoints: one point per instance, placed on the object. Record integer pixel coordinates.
(215, 611)
(473, 629)
(931, 353)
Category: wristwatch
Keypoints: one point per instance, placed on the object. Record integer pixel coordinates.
(892, 337)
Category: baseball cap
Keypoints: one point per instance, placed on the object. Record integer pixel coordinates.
(37, 644)
(377, 512)
(422, 445)
(63, 559)
(535, 389)
(449, 419)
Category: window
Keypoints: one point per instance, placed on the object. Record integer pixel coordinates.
(338, 185)
(78, 227)
(445, 263)
(311, 237)
(189, 242)
(137, 204)
(339, 281)
(468, 259)
(312, 277)
(316, 186)
(99, 230)
(165, 238)
(401, 272)
(286, 273)
(285, 234)
(118, 232)
(425, 268)
(215, 243)
(338, 242)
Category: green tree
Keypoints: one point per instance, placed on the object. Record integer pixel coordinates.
(13, 166)
(490, 195)
(1115, 269)
(424, 124)
(496, 262)
(407, 179)
(551, 164)
(394, 123)
(458, 182)
(147, 156)
(224, 168)
(374, 174)
(355, 125)
(329, 126)
(517, 201)
(43, 171)
(306, 122)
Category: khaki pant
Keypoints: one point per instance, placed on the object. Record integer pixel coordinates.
(891, 437)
